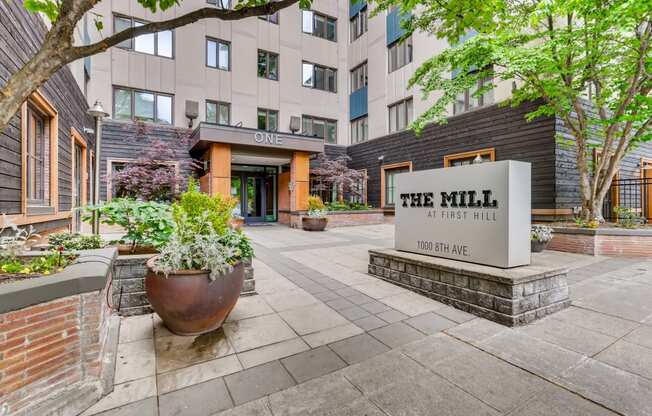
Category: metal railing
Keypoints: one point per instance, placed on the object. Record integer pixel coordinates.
(634, 194)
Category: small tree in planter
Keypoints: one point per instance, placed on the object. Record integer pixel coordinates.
(541, 236)
(196, 280)
(335, 174)
(316, 219)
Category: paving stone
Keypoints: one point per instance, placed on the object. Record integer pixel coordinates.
(174, 351)
(282, 301)
(315, 288)
(614, 388)
(390, 316)
(360, 299)
(322, 396)
(358, 348)
(312, 318)
(495, 382)
(374, 306)
(313, 363)
(258, 407)
(332, 284)
(396, 334)
(272, 352)
(347, 291)
(198, 373)
(340, 303)
(641, 336)
(434, 349)
(555, 401)
(411, 303)
(249, 307)
(455, 315)
(430, 323)
(198, 400)
(136, 328)
(595, 321)
(629, 357)
(369, 322)
(378, 289)
(332, 334)
(353, 313)
(257, 382)
(569, 336)
(476, 330)
(627, 300)
(135, 360)
(255, 332)
(125, 393)
(147, 407)
(326, 296)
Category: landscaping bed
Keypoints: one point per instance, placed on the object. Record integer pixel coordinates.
(606, 240)
(336, 218)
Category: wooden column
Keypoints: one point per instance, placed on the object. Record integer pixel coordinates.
(220, 169)
(300, 180)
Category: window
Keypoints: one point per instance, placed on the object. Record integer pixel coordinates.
(319, 77)
(267, 65)
(271, 18)
(359, 77)
(38, 158)
(320, 127)
(319, 25)
(469, 99)
(358, 24)
(218, 54)
(388, 181)
(159, 44)
(400, 115)
(400, 54)
(359, 130)
(469, 158)
(218, 112)
(129, 104)
(220, 4)
(267, 119)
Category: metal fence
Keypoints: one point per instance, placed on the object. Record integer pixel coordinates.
(634, 194)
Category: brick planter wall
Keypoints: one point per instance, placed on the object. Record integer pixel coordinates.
(129, 296)
(336, 218)
(603, 241)
(57, 356)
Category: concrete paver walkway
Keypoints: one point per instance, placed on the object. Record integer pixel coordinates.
(324, 338)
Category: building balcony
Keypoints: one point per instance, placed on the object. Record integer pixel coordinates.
(358, 100)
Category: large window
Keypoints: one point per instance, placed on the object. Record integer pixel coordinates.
(470, 158)
(220, 4)
(218, 112)
(218, 54)
(159, 44)
(130, 104)
(359, 130)
(267, 119)
(400, 54)
(359, 78)
(470, 99)
(38, 158)
(319, 77)
(319, 25)
(359, 24)
(267, 65)
(388, 178)
(320, 127)
(400, 115)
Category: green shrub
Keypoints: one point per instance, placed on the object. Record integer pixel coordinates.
(628, 218)
(347, 206)
(74, 241)
(197, 210)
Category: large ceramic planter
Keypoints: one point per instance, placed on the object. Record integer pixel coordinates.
(189, 302)
(314, 223)
(538, 246)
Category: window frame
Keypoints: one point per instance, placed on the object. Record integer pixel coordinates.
(268, 54)
(481, 99)
(314, 77)
(356, 123)
(77, 139)
(353, 77)
(407, 46)
(356, 22)
(268, 17)
(219, 5)
(397, 106)
(383, 170)
(132, 41)
(133, 104)
(450, 158)
(327, 19)
(217, 53)
(267, 111)
(326, 121)
(217, 111)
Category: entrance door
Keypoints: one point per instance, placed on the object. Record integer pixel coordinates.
(646, 174)
(77, 184)
(255, 199)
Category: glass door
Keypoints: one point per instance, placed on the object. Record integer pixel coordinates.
(255, 198)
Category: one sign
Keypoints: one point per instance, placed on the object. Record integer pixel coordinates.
(268, 138)
(475, 213)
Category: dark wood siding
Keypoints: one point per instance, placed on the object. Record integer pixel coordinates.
(21, 33)
(503, 128)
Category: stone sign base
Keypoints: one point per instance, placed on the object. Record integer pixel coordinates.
(510, 297)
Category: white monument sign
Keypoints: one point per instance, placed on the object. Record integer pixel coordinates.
(476, 213)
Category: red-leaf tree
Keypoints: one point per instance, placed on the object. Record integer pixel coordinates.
(336, 174)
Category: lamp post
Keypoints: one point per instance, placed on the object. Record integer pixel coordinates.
(98, 113)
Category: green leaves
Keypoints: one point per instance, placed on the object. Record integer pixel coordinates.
(50, 8)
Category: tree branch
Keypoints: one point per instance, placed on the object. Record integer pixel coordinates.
(199, 14)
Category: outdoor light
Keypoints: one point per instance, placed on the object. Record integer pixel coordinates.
(98, 113)
(478, 159)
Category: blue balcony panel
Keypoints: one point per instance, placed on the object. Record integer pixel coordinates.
(358, 103)
(355, 6)
(394, 29)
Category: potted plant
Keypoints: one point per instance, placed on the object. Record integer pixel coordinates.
(195, 281)
(540, 238)
(316, 219)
